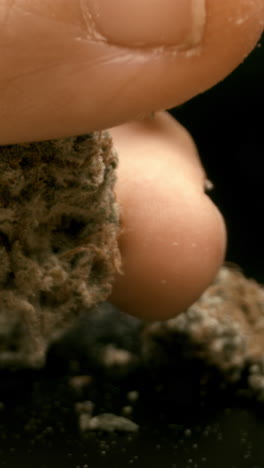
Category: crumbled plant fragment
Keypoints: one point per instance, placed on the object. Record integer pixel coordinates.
(58, 240)
(80, 382)
(224, 328)
(133, 396)
(107, 422)
(84, 407)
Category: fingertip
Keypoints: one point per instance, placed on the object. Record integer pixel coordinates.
(173, 237)
(166, 277)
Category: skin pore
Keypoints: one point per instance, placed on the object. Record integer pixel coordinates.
(67, 70)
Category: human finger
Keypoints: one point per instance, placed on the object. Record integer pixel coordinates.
(173, 237)
(69, 68)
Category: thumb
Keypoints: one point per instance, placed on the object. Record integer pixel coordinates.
(68, 68)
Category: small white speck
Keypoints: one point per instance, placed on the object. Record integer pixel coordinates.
(133, 396)
(127, 410)
(208, 185)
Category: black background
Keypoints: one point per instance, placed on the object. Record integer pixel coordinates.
(227, 125)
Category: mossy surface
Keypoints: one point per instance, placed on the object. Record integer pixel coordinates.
(58, 239)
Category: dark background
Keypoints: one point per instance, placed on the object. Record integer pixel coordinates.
(227, 125)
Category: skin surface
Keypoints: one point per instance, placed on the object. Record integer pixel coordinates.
(63, 72)
(58, 79)
(173, 237)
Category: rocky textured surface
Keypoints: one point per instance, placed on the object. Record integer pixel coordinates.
(58, 230)
(224, 328)
(223, 331)
(58, 240)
